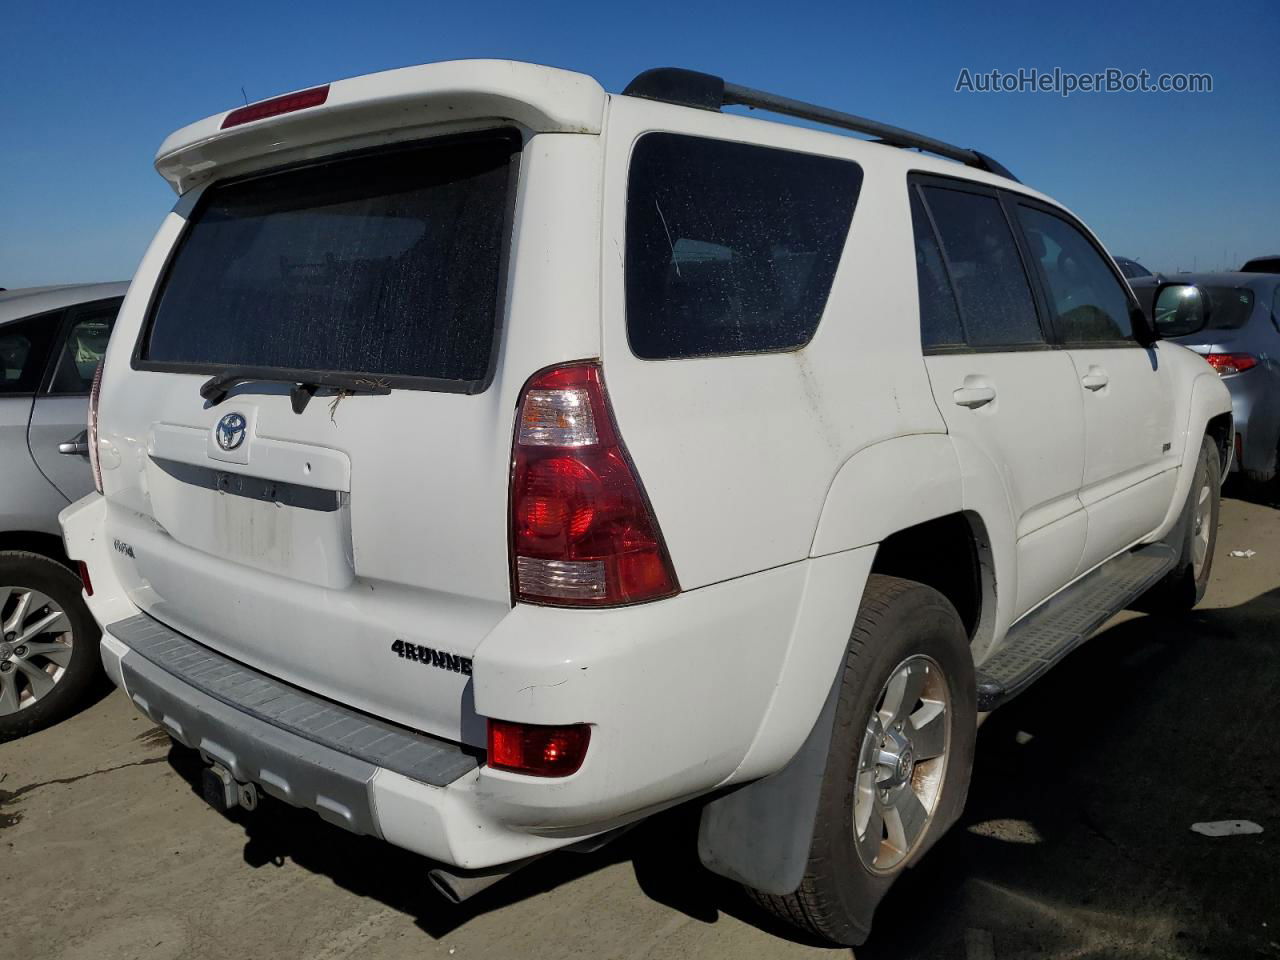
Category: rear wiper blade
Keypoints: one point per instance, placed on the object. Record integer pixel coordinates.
(305, 384)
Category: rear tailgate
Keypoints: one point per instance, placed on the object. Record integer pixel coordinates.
(358, 548)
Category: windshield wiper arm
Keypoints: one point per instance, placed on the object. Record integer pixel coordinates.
(305, 384)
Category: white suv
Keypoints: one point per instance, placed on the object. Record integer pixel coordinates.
(488, 462)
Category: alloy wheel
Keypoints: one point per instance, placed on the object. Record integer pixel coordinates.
(901, 764)
(1200, 530)
(35, 647)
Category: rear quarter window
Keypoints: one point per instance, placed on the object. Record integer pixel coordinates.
(730, 248)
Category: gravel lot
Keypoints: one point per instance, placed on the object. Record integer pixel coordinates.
(1076, 841)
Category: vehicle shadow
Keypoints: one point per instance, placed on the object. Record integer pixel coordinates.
(1260, 494)
(1076, 838)
(1075, 841)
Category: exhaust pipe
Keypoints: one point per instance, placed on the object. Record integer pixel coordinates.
(459, 885)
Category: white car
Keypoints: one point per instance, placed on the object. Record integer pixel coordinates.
(489, 461)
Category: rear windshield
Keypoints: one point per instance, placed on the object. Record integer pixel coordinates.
(386, 264)
(1229, 307)
(731, 248)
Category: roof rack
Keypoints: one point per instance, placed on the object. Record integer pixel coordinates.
(705, 91)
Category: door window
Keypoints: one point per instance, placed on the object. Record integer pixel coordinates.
(83, 348)
(1084, 293)
(996, 306)
(24, 347)
(939, 318)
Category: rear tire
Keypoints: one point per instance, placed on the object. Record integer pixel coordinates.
(1184, 586)
(45, 672)
(908, 666)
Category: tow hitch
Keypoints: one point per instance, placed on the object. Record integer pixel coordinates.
(224, 792)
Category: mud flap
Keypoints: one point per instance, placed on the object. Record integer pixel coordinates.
(760, 834)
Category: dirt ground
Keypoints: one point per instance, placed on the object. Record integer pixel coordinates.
(1076, 842)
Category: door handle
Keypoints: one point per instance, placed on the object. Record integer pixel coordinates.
(77, 445)
(1095, 379)
(973, 397)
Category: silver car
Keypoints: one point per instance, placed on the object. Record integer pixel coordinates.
(51, 339)
(1242, 342)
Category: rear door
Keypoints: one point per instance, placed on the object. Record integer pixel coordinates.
(1007, 395)
(24, 352)
(1127, 391)
(344, 538)
(57, 432)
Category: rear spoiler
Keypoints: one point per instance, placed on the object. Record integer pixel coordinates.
(368, 108)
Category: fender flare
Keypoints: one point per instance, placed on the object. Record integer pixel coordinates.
(864, 503)
(949, 474)
(1209, 398)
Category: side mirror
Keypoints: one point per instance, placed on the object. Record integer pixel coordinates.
(1179, 309)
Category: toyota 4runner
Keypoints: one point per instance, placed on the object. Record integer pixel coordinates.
(487, 462)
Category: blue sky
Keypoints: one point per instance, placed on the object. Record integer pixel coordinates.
(89, 90)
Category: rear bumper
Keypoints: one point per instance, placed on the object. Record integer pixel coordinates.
(356, 772)
(712, 687)
(1255, 406)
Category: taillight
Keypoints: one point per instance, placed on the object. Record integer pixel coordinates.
(276, 106)
(582, 530)
(537, 750)
(1229, 363)
(91, 432)
(83, 569)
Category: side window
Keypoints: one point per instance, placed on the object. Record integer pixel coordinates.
(24, 347)
(83, 348)
(731, 248)
(1084, 293)
(991, 285)
(939, 318)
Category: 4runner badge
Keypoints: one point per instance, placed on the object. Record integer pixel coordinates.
(230, 431)
(432, 658)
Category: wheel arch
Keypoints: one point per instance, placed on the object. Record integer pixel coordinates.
(1209, 415)
(954, 487)
(865, 505)
(1220, 428)
(35, 541)
(953, 555)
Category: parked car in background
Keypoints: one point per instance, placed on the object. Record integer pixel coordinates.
(51, 341)
(1270, 264)
(489, 462)
(1242, 342)
(1132, 269)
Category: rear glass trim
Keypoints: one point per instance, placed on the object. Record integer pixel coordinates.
(395, 381)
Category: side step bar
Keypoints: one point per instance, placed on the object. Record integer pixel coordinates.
(1048, 634)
